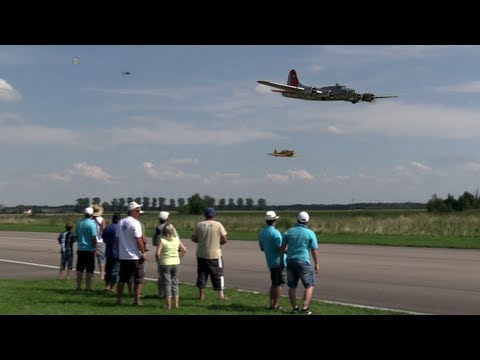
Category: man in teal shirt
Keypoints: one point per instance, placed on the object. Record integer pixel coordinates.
(300, 241)
(270, 241)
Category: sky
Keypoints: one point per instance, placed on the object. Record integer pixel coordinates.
(193, 119)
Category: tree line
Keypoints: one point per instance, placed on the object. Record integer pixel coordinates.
(466, 201)
(196, 204)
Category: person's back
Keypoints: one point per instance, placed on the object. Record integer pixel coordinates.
(270, 242)
(86, 232)
(169, 251)
(300, 240)
(85, 229)
(209, 235)
(66, 240)
(131, 252)
(112, 265)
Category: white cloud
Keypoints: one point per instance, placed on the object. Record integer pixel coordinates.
(419, 166)
(466, 87)
(91, 171)
(277, 178)
(262, 89)
(399, 169)
(183, 161)
(7, 92)
(300, 175)
(335, 130)
(396, 119)
(361, 52)
(81, 169)
(14, 130)
(290, 175)
(317, 68)
(472, 166)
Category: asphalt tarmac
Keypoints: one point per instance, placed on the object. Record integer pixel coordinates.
(417, 280)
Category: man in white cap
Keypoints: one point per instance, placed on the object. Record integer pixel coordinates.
(131, 252)
(270, 242)
(300, 241)
(164, 219)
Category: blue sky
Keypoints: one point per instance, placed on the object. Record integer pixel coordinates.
(193, 119)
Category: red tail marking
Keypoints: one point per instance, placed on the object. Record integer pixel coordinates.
(292, 78)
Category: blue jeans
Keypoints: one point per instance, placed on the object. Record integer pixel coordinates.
(300, 270)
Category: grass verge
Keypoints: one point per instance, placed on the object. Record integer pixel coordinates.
(59, 297)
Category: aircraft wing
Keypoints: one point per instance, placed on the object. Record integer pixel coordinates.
(288, 88)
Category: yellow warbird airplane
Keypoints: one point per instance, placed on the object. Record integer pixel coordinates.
(283, 153)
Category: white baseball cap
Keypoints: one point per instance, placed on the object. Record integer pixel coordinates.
(270, 215)
(133, 205)
(163, 215)
(88, 211)
(303, 217)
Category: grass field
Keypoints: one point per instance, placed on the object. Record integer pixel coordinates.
(380, 227)
(58, 297)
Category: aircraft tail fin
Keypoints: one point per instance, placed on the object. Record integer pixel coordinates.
(293, 78)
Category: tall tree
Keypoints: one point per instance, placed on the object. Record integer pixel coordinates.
(240, 204)
(154, 203)
(172, 204)
(96, 200)
(115, 205)
(249, 203)
(209, 201)
(122, 204)
(231, 204)
(161, 202)
(180, 201)
(81, 204)
(146, 203)
(222, 204)
(261, 204)
(197, 204)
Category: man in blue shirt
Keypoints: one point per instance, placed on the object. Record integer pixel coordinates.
(270, 241)
(300, 241)
(86, 249)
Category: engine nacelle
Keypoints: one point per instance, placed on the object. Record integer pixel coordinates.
(368, 97)
(313, 90)
(330, 94)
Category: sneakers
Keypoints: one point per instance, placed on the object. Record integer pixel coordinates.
(303, 311)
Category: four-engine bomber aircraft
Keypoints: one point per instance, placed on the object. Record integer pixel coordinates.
(294, 89)
(283, 153)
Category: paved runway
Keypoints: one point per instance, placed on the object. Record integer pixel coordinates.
(420, 280)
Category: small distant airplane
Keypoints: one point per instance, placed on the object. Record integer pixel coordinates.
(294, 89)
(75, 61)
(283, 153)
(126, 73)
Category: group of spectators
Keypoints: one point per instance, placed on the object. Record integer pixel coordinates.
(120, 249)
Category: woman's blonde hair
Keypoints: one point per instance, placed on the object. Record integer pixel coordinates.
(168, 231)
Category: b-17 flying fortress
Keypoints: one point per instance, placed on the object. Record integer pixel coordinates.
(294, 89)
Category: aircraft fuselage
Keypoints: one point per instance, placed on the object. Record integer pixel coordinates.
(326, 93)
